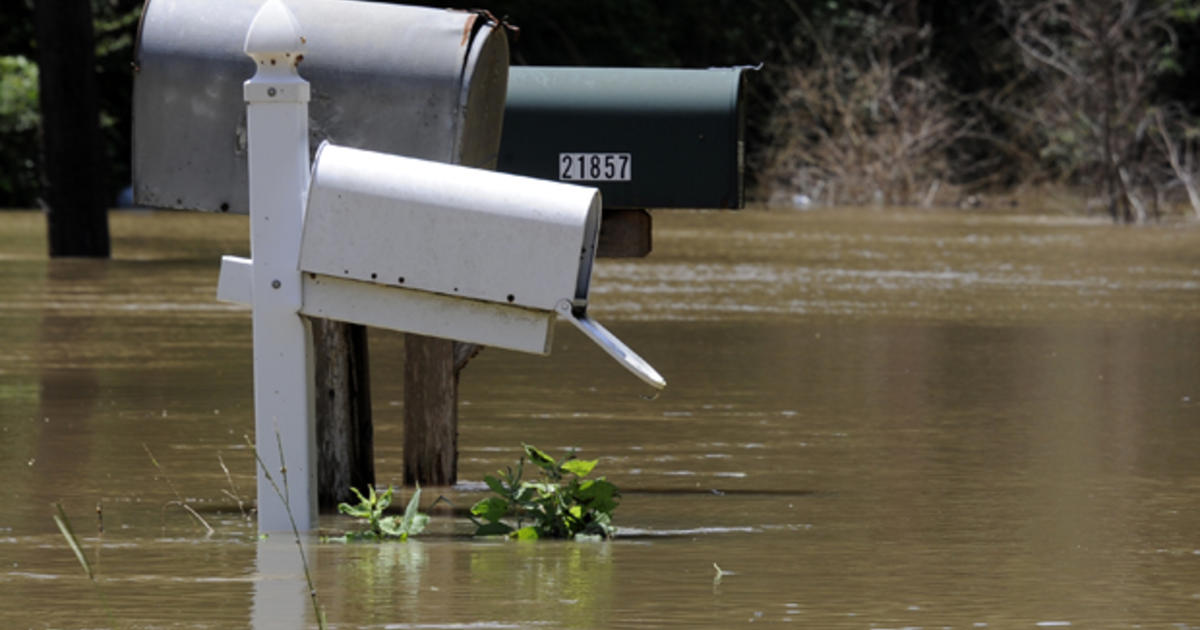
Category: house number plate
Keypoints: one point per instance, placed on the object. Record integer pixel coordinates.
(595, 167)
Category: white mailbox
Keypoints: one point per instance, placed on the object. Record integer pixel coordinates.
(386, 241)
(448, 251)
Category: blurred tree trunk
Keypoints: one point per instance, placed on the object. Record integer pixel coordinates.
(72, 156)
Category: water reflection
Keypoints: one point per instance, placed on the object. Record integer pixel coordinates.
(374, 583)
(68, 388)
(441, 582)
(574, 579)
(281, 594)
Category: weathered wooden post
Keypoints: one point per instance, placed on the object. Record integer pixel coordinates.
(277, 142)
(345, 433)
(72, 155)
(430, 411)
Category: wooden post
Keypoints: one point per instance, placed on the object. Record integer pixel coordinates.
(625, 234)
(432, 368)
(430, 412)
(72, 156)
(345, 439)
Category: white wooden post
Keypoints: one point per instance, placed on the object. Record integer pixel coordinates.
(277, 138)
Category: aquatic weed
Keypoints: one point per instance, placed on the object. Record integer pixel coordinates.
(379, 527)
(564, 504)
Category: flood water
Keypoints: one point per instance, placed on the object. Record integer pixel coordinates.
(873, 420)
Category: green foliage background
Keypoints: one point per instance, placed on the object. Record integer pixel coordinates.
(115, 31)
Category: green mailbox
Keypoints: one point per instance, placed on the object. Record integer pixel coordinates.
(646, 137)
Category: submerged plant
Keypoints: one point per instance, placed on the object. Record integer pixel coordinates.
(379, 527)
(564, 504)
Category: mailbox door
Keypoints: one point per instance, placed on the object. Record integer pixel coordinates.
(414, 81)
(647, 138)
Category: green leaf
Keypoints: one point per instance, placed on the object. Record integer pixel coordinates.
(525, 493)
(526, 533)
(579, 467)
(410, 511)
(514, 478)
(544, 489)
(384, 500)
(495, 484)
(601, 525)
(544, 461)
(417, 524)
(490, 508)
(599, 494)
(391, 526)
(493, 529)
(355, 511)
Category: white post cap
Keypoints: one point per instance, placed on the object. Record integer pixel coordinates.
(275, 32)
(276, 45)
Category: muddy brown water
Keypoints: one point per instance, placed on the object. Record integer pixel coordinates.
(873, 420)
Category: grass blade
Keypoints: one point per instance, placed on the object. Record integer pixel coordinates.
(64, 526)
(197, 516)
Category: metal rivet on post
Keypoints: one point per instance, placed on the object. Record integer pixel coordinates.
(275, 284)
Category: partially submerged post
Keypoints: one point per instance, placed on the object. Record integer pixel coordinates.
(277, 142)
(72, 153)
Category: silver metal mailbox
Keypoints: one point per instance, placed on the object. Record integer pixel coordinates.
(443, 73)
(451, 251)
